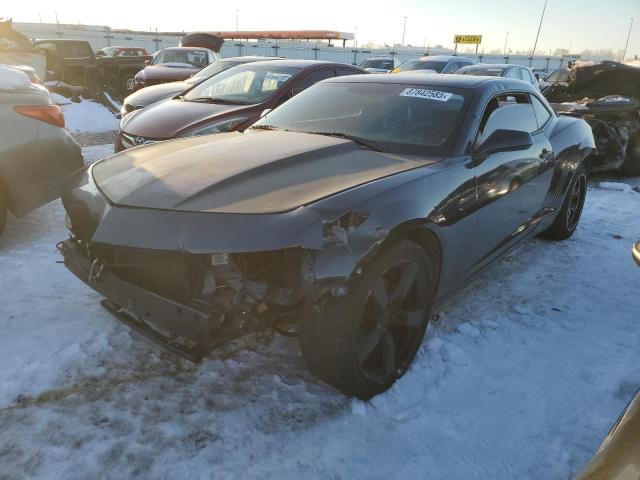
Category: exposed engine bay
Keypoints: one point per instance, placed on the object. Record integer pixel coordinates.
(606, 95)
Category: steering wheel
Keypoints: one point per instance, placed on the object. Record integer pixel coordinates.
(436, 131)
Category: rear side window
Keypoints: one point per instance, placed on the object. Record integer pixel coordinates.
(341, 72)
(542, 114)
(315, 77)
(508, 112)
(74, 50)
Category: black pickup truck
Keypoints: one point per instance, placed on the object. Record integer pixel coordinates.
(74, 62)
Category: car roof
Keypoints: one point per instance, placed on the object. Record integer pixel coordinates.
(185, 48)
(250, 58)
(483, 66)
(380, 57)
(309, 63)
(469, 82)
(444, 58)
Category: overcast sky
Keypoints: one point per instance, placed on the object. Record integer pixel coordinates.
(585, 24)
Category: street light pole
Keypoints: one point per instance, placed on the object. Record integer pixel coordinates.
(535, 45)
(237, 11)
(505, 44)
(624, 54)
(404, 29)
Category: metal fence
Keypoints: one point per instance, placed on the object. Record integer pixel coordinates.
(102, 36)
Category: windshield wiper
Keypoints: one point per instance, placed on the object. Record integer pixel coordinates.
(214, 100)
(263, 127)
(363, 142)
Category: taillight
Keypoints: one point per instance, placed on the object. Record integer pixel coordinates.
(47, 113)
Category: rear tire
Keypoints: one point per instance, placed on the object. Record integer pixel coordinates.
(363, 342)
(569, 216)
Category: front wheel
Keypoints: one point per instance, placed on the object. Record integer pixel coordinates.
(631, 165)
(363, 342)
(128, 85)
(569, 215)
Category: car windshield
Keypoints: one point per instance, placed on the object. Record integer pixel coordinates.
(560, 75)
(213, 69)
(398, 118)
(382, 63)
(421, 65)
(482, 71)
(183, 57)
(242, 85)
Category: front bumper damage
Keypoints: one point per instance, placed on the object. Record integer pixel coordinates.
(189, 327)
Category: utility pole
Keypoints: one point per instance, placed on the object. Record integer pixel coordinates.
(535, 45)
(505, 44)
(404, 29)
(624, 54)
(237, 12)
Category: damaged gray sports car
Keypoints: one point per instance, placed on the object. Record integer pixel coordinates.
(346, 216)
(607, 95)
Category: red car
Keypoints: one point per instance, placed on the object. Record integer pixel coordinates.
(229, 101)
(174, 64)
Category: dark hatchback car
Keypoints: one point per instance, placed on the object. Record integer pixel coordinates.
(146, 96)
(501, 70)
(346, 214)
(174, 64)
(231, 100)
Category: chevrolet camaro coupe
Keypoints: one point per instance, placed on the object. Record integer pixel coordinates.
(345, 216)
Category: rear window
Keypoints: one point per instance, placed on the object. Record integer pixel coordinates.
(381, 63)
(421, 65)
(482, 71)
(74, 49)
(182, 57)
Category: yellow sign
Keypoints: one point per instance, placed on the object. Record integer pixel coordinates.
(468, 39)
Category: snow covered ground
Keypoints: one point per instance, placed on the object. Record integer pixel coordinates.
(521, 376)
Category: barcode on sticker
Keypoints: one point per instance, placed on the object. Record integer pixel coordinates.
(428, 94)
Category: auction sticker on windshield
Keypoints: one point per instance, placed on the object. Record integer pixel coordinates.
(277, 77)
(428, 94)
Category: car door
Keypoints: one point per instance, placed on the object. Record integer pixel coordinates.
(512, 185)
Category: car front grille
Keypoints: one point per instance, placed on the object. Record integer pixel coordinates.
(130, 141)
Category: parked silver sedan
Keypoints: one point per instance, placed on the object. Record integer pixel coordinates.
(36, 153)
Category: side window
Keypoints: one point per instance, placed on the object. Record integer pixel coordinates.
(512, 73)
(451, 67)
(314, 78)
(507, 112)
(341, 72)
(542, 114)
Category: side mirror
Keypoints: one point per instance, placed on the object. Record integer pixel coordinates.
(503, 141)
(266, 112)
(147, 62)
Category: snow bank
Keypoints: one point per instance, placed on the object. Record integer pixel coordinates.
(616, 187)
(89, 117)
(12, 79)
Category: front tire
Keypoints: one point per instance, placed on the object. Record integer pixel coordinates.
(363, 342)
(128, 85)
(567, 220)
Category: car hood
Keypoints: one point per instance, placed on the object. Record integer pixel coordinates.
(167, 73)
(167, 118)
(257, 172)
(155, 93)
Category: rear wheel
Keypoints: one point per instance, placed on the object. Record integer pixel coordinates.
(567, 220)
(363, 342)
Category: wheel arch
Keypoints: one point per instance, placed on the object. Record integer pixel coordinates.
(419, 232)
